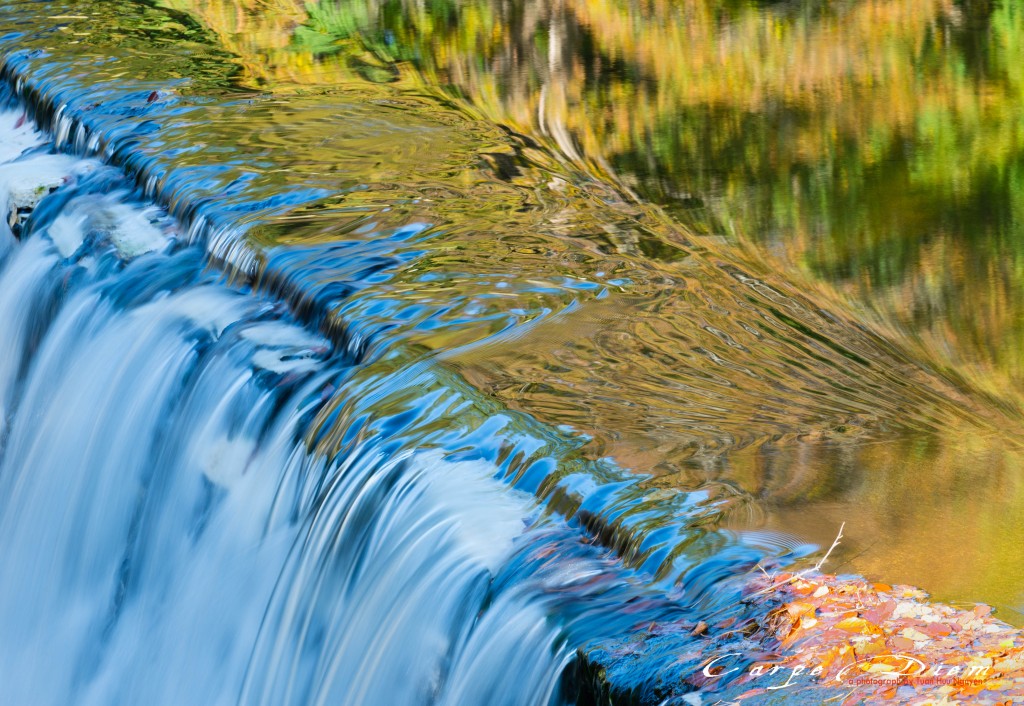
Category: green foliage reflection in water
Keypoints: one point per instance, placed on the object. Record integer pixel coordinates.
(877, 145)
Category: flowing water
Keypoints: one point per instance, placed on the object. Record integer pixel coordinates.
(379, 352)
(197, 507)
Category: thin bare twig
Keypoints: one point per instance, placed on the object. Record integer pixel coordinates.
(817, 567)
(801, 574)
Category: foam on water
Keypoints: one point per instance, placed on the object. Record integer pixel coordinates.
(19, 134)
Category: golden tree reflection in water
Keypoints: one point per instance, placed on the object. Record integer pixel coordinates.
(872, 151)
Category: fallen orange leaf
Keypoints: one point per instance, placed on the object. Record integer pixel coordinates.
(859, 626)
(800, 608)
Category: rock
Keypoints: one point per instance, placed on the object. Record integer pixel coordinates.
(24, 182)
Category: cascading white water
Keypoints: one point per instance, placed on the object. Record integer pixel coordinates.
(166, 535)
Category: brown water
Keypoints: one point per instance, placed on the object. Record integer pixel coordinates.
(771, 250)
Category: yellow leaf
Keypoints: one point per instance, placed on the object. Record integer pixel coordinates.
(858, 625)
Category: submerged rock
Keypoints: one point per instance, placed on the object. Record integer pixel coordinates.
(24, 182)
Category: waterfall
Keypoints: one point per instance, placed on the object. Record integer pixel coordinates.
(173, 529)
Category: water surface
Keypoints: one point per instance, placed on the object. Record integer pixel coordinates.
(861, 164)
(762, 252)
